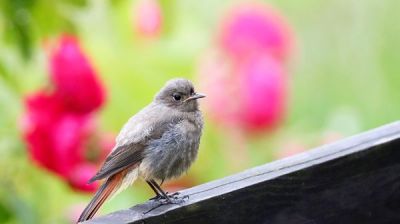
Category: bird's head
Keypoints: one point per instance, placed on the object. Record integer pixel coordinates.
(180, 94)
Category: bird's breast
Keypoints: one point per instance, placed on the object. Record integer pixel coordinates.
(168, 162)
(172, 154)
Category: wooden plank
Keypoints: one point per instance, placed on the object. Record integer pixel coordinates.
(355, 180)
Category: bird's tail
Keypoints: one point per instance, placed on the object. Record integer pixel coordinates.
(109, 187)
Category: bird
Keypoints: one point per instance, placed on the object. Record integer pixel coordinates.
(158, 143)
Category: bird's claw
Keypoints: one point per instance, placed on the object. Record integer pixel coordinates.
(171, 199)
(174, 195)
(174, 198)
(170, 196)
(186, 197)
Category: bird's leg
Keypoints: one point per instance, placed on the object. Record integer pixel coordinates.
(167, 193)
(163, 194)
(172, 198)
(170, 195)
(168, 199)
(158, 195)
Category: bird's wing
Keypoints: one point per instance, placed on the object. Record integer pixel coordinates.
(119, 159)
(132, 141)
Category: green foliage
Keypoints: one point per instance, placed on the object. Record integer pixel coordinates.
(344, 79)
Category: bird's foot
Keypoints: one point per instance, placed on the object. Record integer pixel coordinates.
(174, 195)
(171, 199)
(174, 198)
(177, 195)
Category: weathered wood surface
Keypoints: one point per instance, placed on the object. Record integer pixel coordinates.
(355, 180)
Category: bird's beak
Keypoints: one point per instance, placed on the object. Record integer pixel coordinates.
(196, 96)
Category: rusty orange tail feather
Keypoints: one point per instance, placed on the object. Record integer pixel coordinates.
(110, 186)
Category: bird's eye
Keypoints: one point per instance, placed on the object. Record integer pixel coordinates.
(177, 97)
(191, 91)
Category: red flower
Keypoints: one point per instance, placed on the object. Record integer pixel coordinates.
(80, 176)
(42, 111)
(60, 141)
(254, 28)
(59, 125)
(55, 138)
(148, 18)
(75, 80)
(70, 134)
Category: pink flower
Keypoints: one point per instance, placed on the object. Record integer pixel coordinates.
(148, 18)
(217, 81)
(253, 28)
(75, 80)
(246, 76)
(263, 84)
(249, 95)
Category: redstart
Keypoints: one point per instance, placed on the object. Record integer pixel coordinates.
(158, 143)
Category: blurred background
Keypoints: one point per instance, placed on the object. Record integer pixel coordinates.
(281, 77)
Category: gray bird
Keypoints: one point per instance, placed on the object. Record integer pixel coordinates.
(158, 143)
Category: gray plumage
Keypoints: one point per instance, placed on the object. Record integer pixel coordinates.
(158, 143)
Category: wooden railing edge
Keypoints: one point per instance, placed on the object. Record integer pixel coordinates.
(208, 191)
